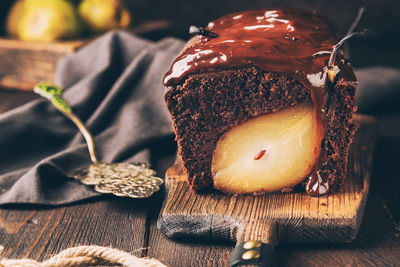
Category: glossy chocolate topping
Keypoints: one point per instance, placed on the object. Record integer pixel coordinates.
(291, 42)
(296, 43)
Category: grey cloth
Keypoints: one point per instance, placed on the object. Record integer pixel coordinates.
(115, 86)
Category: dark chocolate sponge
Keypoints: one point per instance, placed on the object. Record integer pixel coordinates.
(206, 105)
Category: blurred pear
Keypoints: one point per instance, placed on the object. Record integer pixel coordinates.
(48, 20)
(13, 18)
(103, 15)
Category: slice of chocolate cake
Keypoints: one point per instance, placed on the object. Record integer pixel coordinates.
(253, 109)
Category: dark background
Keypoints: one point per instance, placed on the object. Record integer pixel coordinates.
(382, 18)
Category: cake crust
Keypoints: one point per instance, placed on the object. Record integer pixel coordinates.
(207, 105)
(256, 63)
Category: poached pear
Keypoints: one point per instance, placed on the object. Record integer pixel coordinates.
(103, 15)
(48, 20)
(13, 17)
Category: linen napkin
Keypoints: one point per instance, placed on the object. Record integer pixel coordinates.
(115, 86)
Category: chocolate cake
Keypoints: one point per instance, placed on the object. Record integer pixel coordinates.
(253, 109)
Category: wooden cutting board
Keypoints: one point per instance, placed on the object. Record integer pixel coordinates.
(273, 218)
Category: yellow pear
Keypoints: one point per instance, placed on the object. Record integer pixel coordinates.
(267, 153)
(104, 15)
(48, 20)
(13, 18)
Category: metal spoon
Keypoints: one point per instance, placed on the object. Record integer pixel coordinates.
(121, 179)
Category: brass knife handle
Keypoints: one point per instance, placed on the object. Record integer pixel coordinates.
(254, 253)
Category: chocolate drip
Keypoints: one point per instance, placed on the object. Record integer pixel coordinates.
(316, 186)
(295, 43)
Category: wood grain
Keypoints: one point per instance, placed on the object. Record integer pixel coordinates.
(23, 64)
(377, 244)
(107, 221)
(294, 217)
(38, 233)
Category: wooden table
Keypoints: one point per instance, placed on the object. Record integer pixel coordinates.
(130, 224)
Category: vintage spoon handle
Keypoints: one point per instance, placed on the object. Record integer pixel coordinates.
(53, 93)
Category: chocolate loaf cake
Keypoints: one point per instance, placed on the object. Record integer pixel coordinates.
(253, 109)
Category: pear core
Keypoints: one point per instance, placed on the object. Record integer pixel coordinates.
(267, 153)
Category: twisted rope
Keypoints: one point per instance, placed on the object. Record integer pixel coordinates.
(85, 256)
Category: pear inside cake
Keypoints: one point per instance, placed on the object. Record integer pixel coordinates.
(253, 104)
(267, 153)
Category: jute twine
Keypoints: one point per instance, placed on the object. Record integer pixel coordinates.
(85, 256)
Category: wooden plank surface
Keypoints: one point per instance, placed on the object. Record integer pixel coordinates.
(377, 244)
(38, 233)
(130, 225)
(23, 64)
(296, 217)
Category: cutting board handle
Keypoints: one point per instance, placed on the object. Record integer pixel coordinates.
(255, 245)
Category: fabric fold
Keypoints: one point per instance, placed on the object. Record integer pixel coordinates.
(114, 85)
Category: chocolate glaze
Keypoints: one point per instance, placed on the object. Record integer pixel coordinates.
(295, 43)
